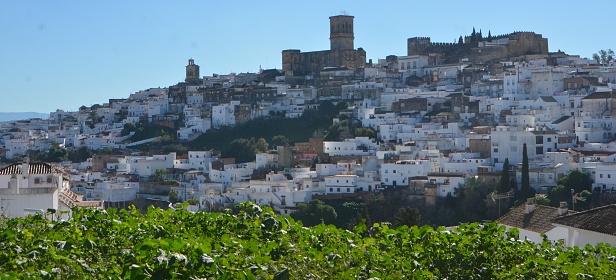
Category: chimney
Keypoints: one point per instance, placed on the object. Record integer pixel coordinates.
(563, 208)
(25, 167)
(530, 206)
(14, 184)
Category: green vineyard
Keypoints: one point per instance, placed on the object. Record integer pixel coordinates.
(254, 243)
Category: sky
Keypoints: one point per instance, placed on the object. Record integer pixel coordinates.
(65, 54)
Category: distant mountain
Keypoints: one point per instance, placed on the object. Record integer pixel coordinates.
(15, 116)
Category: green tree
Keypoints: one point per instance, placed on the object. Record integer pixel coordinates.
(314, 213)
(407, 216)
(604, 57)
(161, 174)
(128, 128)
(241, 149)
(80, 155)
(577, 181)
(193, 201)
(505, 180)
(173, 197)
(105, 151)
(261, 146)
(471, 200)
(365, 132)
(279, 140)
(56, 154)
(525, 184)
(175, 148)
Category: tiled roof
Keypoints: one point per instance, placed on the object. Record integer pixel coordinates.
(600, 95)
(548, 99)
(35, 168)
(561, 119)
(601, 219)
(540, 220)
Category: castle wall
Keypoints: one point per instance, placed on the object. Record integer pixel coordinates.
(515, 44)
(308, 62)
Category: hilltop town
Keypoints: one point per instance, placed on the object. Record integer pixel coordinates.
(429, 121)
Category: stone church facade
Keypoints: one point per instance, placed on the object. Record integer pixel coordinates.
(341, 53)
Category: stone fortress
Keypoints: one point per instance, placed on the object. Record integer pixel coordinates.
(341, 53)
(477, 48)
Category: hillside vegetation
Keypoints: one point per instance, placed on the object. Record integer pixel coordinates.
(254, 243)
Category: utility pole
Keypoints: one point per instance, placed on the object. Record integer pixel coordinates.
(500, 196)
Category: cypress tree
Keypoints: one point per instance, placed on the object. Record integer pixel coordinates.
(525, 188)
(503, 185)
(489, 36)
(460, 41)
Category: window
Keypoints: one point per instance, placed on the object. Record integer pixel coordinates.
(496, 150)
(331, 189)
(600, 175)
(609, 175)
(348, 189)
(539, 139)
(338, 189)
(37, 180)
(539, 150)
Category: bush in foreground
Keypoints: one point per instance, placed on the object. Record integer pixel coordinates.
(255, 243)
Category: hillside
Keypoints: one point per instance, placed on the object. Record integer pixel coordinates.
(295, 130)
(254, 243)
(15, 116)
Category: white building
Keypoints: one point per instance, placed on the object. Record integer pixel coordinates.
(590, 227)
(147, 166)
(341, 184)
(26, 188)
(397, 174)
(223, 115)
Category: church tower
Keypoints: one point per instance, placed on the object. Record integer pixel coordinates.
(192, 72)
(341, 35)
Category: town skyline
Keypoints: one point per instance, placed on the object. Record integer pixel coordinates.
(62, 56)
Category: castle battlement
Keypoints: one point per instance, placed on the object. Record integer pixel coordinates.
(519, 43)
(443, 44)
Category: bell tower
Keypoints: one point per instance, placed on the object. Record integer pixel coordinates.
(192, 72)
(341, 35)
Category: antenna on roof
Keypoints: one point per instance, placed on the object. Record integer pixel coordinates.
(343, 13)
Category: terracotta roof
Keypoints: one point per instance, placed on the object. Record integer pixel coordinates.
(600, 219)
(561, 119)
(540, 220)
(600, 95)
(548, 99)
(34, 168)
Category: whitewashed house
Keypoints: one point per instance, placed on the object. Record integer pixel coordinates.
(27, 188)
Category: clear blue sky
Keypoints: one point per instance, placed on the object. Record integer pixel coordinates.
(64, 54)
